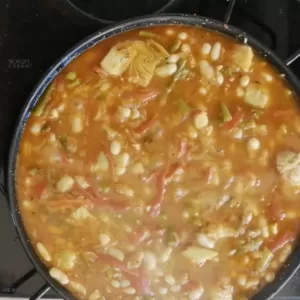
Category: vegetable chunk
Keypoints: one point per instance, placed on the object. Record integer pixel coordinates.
(242, 57)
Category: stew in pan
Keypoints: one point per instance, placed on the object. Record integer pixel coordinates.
(163, 164)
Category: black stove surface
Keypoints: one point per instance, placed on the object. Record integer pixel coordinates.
(35, 33)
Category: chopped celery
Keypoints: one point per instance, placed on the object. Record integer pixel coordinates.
(177, 75)
(266, 257)
(172, 238)
(71, 76)
(199, 254)
(74, 83)
(225, 113)
(149, 34)
(39, 109)
(248, 124)
(175, 46)
(183, 106)
(273, 228)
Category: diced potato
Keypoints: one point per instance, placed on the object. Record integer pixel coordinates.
(81, 213)
(242, 57)
(118, 59)
(288, 165)
(95, 295)
(256, 96)
(222, 290)
(65, 184)
(65, 260)
(199, 254)
(102, 163)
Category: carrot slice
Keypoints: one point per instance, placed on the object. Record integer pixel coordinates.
(183, 149)
(237, 118)
(117, 264)
(281, 240)
(157, 201)
(145, 126)
(141, 284)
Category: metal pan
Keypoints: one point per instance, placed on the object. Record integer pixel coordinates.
(293, 261)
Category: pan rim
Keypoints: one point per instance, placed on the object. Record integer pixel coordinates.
(292, 264)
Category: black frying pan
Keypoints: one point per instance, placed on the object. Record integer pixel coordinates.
(292, 263)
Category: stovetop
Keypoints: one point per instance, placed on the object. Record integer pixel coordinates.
(35, 33)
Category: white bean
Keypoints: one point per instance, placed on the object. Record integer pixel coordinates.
(244, 81)
(124, 283)
(80, 180)
(116, 253)
(206, 69)
(137, 168)
(196, 294)
(59, 275)
(115, 147)
(220, 78)
(124, 113)
(129, 291)
(173, 59)
(215, 51)
(150, 261)
(77, 288)
(253, 144)
(186, 48)
(267, 77)
(270, 276)
(169, 279)
(182, 35)
(124, 159)
(166, 70)
(203, 91)
(120, 170)
(135, 260)
(170, 32)
(242, 280)
(205, 241)
(104, 239)
(28, 204)
(54, 113)
(43, 252)
(175, 288)
(35, 128)
(201, 120)
(163, 290)
(115, 284)
(192, 132)
(65, 184)
(206, 48)
(77, 124)
(240, 92)
(95, 295)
